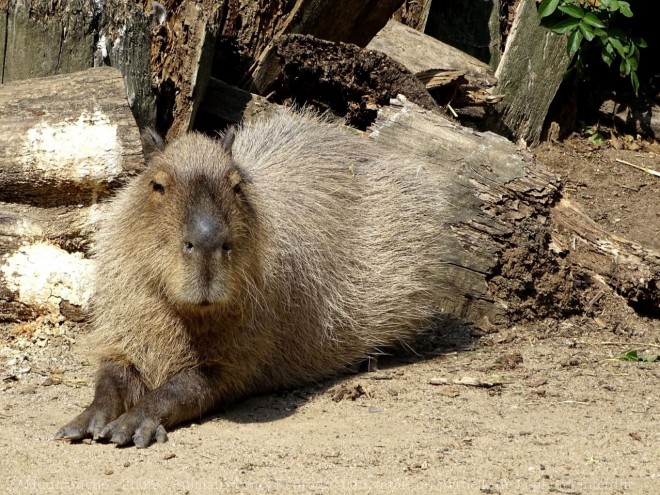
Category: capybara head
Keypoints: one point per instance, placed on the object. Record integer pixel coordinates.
(193, 222)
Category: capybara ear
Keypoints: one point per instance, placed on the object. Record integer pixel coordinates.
(227, 139)
(152, 142)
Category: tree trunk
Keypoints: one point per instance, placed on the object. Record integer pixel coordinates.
(46, 38)
(529, 75)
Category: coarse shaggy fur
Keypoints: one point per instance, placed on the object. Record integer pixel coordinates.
(333, 253)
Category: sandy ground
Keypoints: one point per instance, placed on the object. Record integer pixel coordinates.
(538, 408)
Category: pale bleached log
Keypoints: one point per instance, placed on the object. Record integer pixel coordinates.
(419, 53)
(43, 265)
(65, 140)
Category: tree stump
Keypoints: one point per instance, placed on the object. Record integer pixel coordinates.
(529, 74)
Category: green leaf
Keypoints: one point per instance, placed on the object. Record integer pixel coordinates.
(600, 33)
(605, 54)
(572, 10)
(591, 19)
(612, 5)
(586, 31)
(633, 356)
(624, 8)
(574, 41)
(640, 42)
(547, 7)
(624, 66)
(617, 46)
(635, 84)
(562, 26)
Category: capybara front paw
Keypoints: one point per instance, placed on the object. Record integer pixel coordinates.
(134, 428)
(87, 424)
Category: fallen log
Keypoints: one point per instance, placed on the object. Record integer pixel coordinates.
(438, 65)
(351, 81)
(514, 248)
(66, 140)
(65, 143)
(43, 268)
(419, 53)
(629, 269)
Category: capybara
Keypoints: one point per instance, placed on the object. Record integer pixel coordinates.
(279, 254)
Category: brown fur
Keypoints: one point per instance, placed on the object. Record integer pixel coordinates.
(333, 252)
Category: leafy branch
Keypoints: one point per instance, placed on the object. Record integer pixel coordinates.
(595, 22)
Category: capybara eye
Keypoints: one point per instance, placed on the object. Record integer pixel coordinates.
(157, 187)
(237, 188)
(226, 248)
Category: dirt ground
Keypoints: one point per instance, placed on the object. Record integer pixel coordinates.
(538, 408)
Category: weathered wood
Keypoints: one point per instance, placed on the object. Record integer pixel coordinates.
(436, 63)
(414, 13)
(42, 263)
(529, 75)
(473, 27)
(125, 42)
(342, 20)
(46, 38)
(420, 52)
(351, 81)
(66, 139)
(628, 268)
(225, 104)
(515, 248)
(494, 195)
(68, 227)
(181, 60)
(3, 39)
